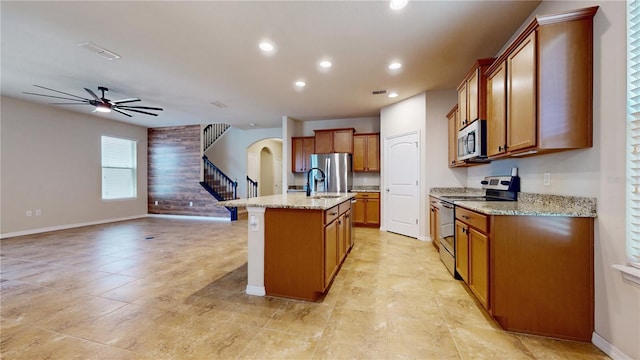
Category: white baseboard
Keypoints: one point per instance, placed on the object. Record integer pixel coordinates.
(67, 226)
(189, 217)
(256, 290)
(424, 238)
(607, 348)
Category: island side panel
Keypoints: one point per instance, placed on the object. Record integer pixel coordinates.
(294, 253)
(542, 275)
(255, 252)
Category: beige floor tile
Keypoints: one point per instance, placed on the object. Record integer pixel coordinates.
(271, 344)
(483, 343)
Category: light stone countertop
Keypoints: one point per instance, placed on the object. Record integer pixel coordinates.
(294, 200)
(528, 204)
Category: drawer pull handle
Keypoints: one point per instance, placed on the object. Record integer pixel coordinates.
(465, 217)
(333, 213)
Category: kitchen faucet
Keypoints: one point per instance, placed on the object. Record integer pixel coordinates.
(309, 173)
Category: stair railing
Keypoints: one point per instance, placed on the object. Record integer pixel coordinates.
(218, 184)
(212, 133)
(252, 188)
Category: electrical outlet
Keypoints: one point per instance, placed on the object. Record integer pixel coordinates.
(38, 212)
(29, 213)
(547, 179)
(156, 202)
(190, 203)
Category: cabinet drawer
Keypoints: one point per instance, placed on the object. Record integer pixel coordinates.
(344, 207)
(368, 195)
(472, 218)
(331, 214)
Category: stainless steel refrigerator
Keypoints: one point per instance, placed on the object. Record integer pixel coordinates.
(338, 171)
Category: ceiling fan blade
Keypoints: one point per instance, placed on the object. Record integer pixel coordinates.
(84, 101)
(139, 111)
(46, 88)
(140, 107)
(125, 101)
(93, 94)
(121, 112)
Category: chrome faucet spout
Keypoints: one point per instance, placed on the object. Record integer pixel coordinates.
(308, 180)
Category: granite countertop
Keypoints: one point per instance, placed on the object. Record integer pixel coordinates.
(528, 204)
(294, 200)
(365, 188)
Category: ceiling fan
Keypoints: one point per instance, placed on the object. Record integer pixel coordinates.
(101, 104)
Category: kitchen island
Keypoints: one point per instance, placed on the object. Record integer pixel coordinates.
(296, 243)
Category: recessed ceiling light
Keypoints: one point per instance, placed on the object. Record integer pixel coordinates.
(325, 64)
(395, 66)
(398, 4)
(300, 84)
(393, 94)
(266, 46)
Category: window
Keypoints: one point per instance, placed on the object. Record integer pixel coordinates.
(118, 168)
(633, 132)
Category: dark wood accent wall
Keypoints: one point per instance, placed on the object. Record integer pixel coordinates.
(174, 162)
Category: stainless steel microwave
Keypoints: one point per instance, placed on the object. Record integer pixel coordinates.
(472, 141)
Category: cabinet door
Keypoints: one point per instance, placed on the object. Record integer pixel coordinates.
(372, 211)
(521, 95)
(330, 251)
(324, 142)
(347, 231)
(497, 111)
(473, 98)
(359, 152)
(462, 105)
(298, 164)
(479, 266)
(343, 141)
(433, 226)
(462, 250)
(453, 136)
(373, 152)
(308, 147)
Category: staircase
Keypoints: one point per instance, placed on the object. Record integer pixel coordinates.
(220, 185)
(212, 133)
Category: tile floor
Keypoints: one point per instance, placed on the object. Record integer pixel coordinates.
(159, 288)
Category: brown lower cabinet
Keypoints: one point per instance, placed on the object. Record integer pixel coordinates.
(533, 273)
(366, 210)
(303, 250)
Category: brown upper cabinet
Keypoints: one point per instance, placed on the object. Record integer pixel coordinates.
(540, 90)
(334, 141)
(366, 152)
(472, 93)
(302, 148)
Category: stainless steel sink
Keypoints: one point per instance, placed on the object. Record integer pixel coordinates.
(325, 196)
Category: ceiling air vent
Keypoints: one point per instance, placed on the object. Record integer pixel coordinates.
(219, 104)
(378, 92)
(109, 55)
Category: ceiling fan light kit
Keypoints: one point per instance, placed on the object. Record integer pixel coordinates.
(100, 103)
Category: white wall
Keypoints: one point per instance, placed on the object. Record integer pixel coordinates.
(597, 172)
(274, 146)
(229, 153)
(51, 160)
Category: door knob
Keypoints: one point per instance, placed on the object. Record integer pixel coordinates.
(388, 189)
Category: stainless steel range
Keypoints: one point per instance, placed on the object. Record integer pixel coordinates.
(497, 188)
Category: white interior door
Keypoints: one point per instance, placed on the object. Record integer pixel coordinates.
(402, 169)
